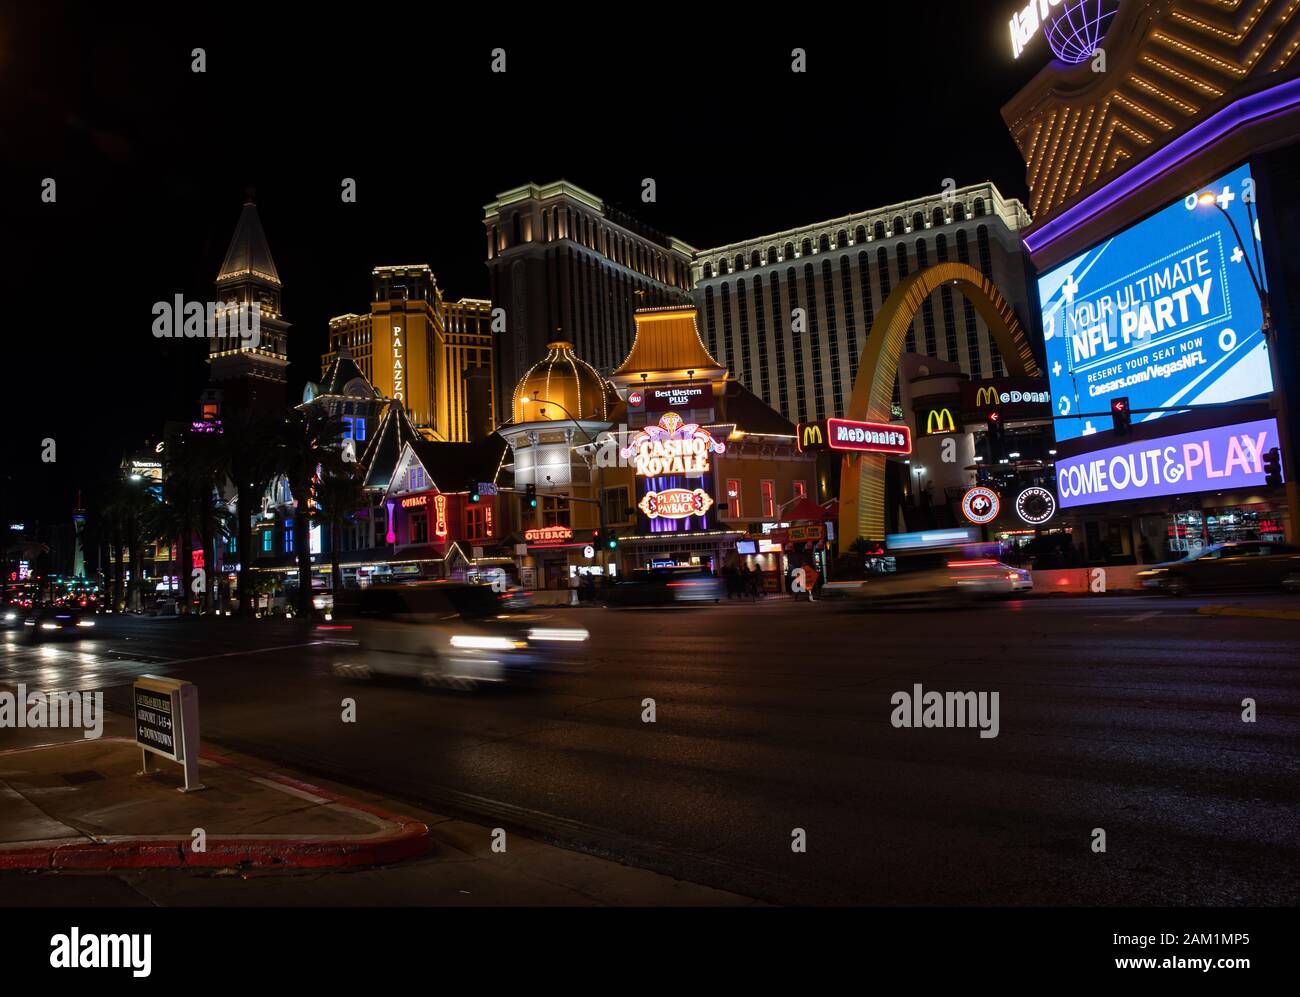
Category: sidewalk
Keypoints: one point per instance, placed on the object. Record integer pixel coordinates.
(79, 827)
(1281, 608)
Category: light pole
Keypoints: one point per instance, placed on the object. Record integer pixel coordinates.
(1278, 399)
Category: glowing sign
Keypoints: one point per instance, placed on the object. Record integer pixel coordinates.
(1219, 458)
(672, 447)
(440, 515)
(981, 505)
(411, 501)
(399, 372)
(940, 420)
(676, 503)
(390, 537)
(548, 534)
(1035, 505)
(868, 437)
(1164, 313)
(634, 399)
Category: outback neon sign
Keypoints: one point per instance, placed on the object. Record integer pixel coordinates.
(676, 503)
(672, 447)
(548, 534)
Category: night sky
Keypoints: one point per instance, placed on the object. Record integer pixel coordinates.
(152, 162)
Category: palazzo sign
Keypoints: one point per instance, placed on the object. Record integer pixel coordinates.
(672, 447)
(399, 372)
(1219, 458)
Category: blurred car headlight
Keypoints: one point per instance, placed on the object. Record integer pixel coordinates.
(557, 634)
(85, 623)
(50, 626)
(476, 643)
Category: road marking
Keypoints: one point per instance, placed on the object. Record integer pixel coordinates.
(1143, 616)
(236, 654)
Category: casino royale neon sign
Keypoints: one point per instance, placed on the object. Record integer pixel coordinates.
(672, 447)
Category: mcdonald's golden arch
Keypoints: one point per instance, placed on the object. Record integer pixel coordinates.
(940, 420)
(811, 436)
(986, 396)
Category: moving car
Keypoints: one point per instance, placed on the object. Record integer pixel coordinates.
(950, 577)
(665, 587)
(449, 634)
(1244, 564)
(55, 621)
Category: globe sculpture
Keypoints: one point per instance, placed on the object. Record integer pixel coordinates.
(1078, 26)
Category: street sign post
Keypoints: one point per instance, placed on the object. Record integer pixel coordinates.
(167, 724)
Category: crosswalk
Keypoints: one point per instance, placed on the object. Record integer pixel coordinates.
(69, 666)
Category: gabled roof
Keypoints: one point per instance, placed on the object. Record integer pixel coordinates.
(383, 451)
(342, 371)
(249, 255)
(667, 339)
(458, 467)
(753, 415)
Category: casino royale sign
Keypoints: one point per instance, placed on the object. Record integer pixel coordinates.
(672, 447)
(1220, 458)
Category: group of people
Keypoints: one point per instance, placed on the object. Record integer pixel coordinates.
(742, 582)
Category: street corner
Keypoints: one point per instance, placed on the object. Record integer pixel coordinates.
(87, 805)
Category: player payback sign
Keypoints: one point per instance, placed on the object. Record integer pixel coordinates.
(1224, 457)
(1165, 313)
(676, 503)
(166, 715)
(859, 437)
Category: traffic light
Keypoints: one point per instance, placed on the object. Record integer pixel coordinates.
(1273, 467)
(1121, 417)
(530, 495)
(595, 538)
(611, 541)
(475, 497)
(994, 435)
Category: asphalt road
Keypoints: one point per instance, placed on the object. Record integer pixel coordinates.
(1115, 713)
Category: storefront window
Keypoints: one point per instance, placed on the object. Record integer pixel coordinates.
(767, 490)
(476, 523)
(419, 526)
(555, 511)
(735, 509)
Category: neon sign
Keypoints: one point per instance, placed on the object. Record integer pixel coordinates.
(548, 534)
(672, 447)
(398, 371)
(411, 501)
(981, 505)
(676, 503)
(440, 515)
(873, 437)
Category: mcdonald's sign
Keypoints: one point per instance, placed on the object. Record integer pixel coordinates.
(1015, 397)
(810, 436)
(940, 420)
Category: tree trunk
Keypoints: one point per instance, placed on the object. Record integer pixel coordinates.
(243, 504)
(186, 572)
(302, 544)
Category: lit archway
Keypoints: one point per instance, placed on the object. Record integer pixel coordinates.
(862, 478)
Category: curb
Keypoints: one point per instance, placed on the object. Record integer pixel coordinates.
(409, 839)
(1263, 614)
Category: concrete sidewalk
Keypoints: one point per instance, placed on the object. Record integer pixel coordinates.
(79, 827)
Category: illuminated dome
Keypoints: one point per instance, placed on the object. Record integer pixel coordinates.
(565, 382)
(1077, 28)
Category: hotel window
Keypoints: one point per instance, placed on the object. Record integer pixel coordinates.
(789, 250)
(555, 511)
(728, 345)
(879, 229)
(760, 320)
(709, 323)
(415, 479)
(418, 527)
(288, 536)
(476, 522)
(767, 492)
(800, 489)
(814, 339)
(617, 504)
(778, 332)
(796, 341)
(742, 302)
(268, 542)
(832, 329)
(860, 234)
(735, 509)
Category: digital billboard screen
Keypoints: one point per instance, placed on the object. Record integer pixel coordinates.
(1165, 313)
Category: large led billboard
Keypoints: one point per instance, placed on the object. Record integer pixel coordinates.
(1164, 313)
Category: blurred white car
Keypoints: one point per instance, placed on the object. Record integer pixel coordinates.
(942, 578)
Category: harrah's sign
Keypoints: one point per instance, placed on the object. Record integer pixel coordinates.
(1223, 457)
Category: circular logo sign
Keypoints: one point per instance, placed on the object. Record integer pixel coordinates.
(981, 505)
(1035, 505)
(634, 399)
(589, 551)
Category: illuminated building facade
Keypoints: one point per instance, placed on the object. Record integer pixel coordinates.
(560, 258)
(251, 375)
(1164, 199)
(840, 272)
(433, 356)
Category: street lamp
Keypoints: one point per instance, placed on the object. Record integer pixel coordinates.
(1278, 400)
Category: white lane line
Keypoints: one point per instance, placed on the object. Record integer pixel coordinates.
(1144, 616)
(237, 654)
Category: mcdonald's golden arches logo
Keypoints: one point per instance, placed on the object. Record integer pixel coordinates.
(986, 396)
(940, 420)
(811, 436)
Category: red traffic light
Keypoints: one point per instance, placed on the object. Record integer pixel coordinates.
(994, 416)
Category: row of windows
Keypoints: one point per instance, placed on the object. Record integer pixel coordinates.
(898, 227)
(735, 506)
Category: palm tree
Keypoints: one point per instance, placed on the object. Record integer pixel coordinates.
(128, 512)
(178, 518)
(308, 443)
(339, 496)
(248, 454)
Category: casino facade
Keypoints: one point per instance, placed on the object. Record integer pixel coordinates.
(1162, 165)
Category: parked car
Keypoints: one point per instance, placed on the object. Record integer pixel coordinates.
(44, 622)
(449, 634)
(948, 577)
(666, 587)
(1233, 565)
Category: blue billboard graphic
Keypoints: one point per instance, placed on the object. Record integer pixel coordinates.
(1165, 313)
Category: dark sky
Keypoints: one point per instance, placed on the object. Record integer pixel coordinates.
(152, 162)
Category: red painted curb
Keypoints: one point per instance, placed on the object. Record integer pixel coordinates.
(410, 839)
